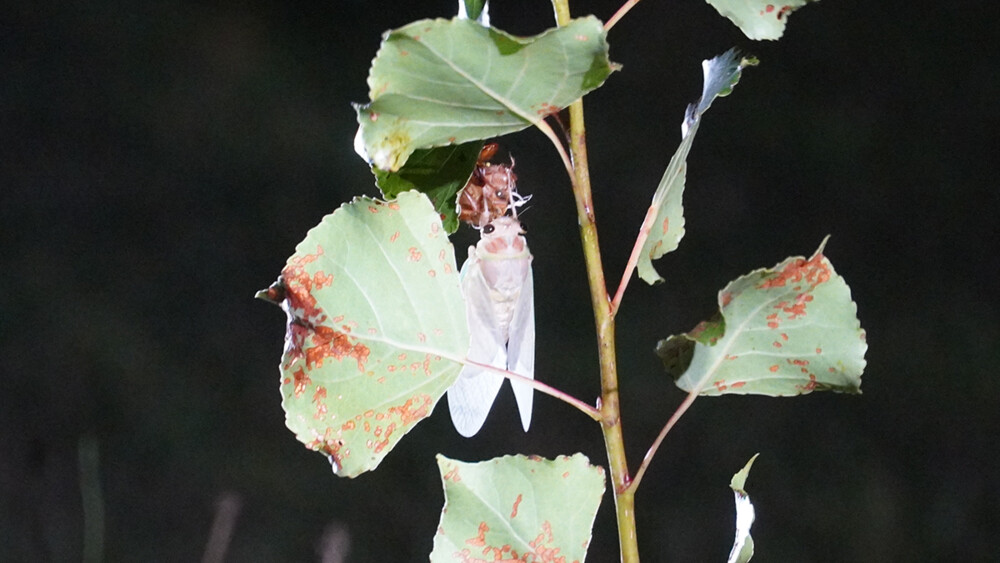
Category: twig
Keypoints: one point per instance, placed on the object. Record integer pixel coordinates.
(681, 409)
(545, 128)
(539, 386)
(633, 260)
(620, 13)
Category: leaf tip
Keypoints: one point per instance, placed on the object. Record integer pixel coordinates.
(274, 294)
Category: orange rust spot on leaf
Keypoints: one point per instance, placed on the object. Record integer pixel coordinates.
(813, 271)
(727, 298)
(321, 280)
(414, 409)
(517, 502)
(480, 539)
(808, 386)
(665, 225)
(329, 343)
(415, 255)
(774, 368)
(302, 380)
(738, 384)
(320, 394)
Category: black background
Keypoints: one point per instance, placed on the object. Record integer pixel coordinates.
(161, 159)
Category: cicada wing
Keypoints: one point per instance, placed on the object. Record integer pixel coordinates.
(471, 397)
(521, 348)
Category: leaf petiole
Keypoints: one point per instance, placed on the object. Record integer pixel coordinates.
(583, 407)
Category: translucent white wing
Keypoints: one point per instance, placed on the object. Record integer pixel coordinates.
(521, 349)
(471, 397)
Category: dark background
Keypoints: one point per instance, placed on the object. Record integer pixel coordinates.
(161, 159)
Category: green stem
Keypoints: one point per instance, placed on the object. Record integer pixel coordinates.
(605, 322)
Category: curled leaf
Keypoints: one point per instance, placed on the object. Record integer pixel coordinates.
(743, 544)
(787, 330)
(666, 230)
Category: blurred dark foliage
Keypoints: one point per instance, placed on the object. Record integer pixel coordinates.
(159, 160)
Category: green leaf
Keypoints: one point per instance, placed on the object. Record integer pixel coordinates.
(758, 19)
(788, 330)
(666, 230)
(440, 173)
(517, 508)
(743, 544)
(376, 328)
(473, 9)
(441, 82)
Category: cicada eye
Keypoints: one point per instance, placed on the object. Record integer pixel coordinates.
(489, 229)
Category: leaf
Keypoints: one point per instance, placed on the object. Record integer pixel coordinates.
(789, 330)
(517, 508)
(440, 173)
(721, 75)
(477, 10)
(376, 328)
(758, 19)
(441, 82)
(743, 544)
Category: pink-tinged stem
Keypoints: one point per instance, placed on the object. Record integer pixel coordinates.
(633, 260)
(539, 386)
(620, 14)
(681, 409)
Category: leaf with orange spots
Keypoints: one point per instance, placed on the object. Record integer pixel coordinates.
(376, 328)
(442, 82)
(788, 330)
(666, 227)
(439, 172)
(517, 508)
(758, 19)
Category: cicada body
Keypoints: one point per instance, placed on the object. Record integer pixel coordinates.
(497, 283)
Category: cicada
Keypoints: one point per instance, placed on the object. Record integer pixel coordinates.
(497, 283)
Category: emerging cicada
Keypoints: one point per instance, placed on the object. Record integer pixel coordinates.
(497, 283)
